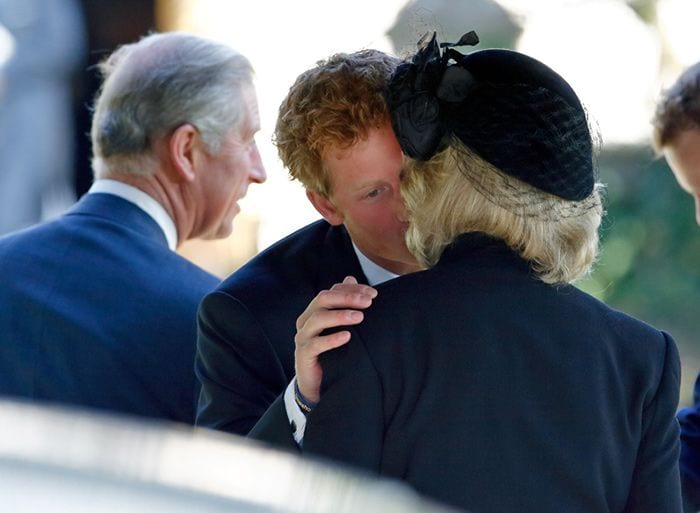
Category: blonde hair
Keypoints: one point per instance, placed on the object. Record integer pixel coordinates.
(335, 104)
(443, 203)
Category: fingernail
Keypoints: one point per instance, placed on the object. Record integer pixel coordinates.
(355, 316)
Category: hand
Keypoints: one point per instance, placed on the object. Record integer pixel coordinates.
(338, 306)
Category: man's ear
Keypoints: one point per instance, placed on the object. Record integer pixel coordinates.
(325, 207)
(183, 145)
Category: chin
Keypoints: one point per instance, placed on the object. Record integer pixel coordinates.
(219, 232)
(224, 231)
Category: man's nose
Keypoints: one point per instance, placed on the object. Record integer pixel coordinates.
(401, 210)
(257, 169)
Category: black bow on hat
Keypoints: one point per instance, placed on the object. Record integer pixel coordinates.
(416, 91)
(510, 109)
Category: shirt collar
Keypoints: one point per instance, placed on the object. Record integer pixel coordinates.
(375, 274)
(142, 200)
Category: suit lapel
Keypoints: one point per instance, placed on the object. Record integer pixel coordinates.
(337, 259)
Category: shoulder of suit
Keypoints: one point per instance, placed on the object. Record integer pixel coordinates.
(46, 237)
(310, 237)
(286, 261)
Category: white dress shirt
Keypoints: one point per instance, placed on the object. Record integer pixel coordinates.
(141, 200)
(375, 275)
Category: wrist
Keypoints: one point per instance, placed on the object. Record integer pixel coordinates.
(305, 404)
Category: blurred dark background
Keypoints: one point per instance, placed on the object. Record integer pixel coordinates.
(108, 24)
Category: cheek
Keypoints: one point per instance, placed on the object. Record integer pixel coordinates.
(379, 221)
(225, 193)
(235, 180)
(387, 223)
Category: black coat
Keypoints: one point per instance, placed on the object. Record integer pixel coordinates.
(245, 345)
(488, 389)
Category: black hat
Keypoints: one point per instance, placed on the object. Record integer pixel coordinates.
(510, 109)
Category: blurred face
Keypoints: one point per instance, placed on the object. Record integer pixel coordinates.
(227, 174)
(683, 156)
(365, 197)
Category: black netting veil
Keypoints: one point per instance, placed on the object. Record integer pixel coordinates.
(508, 109)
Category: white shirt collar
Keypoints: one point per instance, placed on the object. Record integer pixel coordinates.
(375, 274)
(143, 201)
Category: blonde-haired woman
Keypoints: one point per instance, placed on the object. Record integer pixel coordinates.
(488, 381)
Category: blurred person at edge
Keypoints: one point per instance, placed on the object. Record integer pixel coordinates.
(36, 113)
(676, 135)
(7, 44)
(334, 135)
(96, 307)
(488, 381)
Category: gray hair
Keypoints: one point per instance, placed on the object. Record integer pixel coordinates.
(157, 84)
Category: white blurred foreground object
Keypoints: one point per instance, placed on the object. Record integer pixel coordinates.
(56, 459)
(7, 45)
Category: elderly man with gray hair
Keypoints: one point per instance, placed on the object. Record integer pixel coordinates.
(96, 307)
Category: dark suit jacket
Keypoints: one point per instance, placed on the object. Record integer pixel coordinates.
(485, 388)
(689, 419)
(96, 310)
(245, 345)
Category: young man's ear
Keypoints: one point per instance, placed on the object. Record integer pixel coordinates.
(325, 207)
(183, 145)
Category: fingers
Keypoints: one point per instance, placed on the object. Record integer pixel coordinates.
(350, 284)
(308, 370)
(348, 295)
(323, 319)
(307, 351)
(338, 306)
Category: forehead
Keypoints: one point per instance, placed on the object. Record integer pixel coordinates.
(250, 100)
(376, 157)
(250, 119)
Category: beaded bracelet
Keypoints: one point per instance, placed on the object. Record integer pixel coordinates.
(303, 403)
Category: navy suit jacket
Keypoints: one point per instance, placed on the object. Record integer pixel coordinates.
(245, 344)
(96, 310)
(690, 452)
(490, 390)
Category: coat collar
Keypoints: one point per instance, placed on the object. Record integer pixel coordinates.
(337, 258)
(119, 211)
(482, 246)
